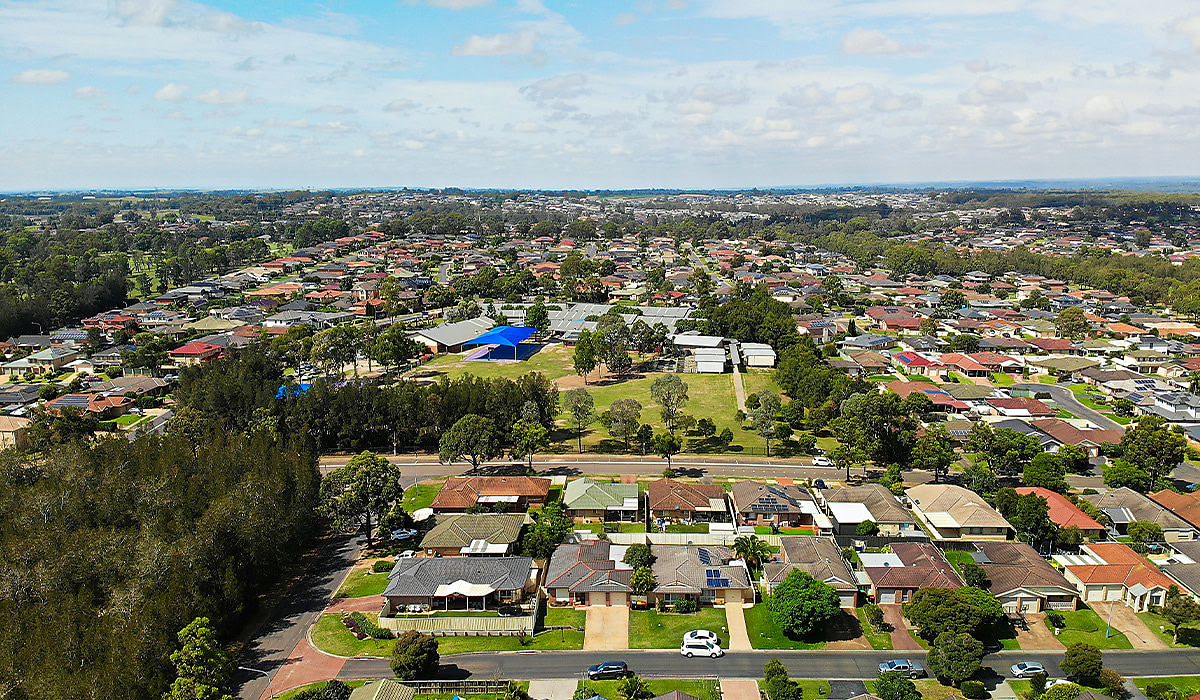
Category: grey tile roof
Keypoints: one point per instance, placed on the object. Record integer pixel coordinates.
(421, 577)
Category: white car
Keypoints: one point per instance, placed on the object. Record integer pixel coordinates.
(406, 554)
(822, 461)
(701, 636)
(701, 648)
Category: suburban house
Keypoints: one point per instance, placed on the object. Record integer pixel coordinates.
(954, 513)
(1184, 505)
(458, 583)
(668, 499)
(587, 501)
(1124, 505)
(768, 504)
(1063, 433)
(1064, 513)
(590, 573)
(706, 574)
(1022, 580)
(819, 557)
(14, 432)
(385, 689)
(517, 492)
(463, 535)
(911, 565)
(1183, 566)
(195, 353)
(1111, 571)
(847, 507)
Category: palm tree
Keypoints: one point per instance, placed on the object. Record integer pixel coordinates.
(751, 549)
(1194, 384)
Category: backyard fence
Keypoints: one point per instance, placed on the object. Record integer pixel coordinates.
(697, 538)
(879, 540)
(462, 626)
(460, 687)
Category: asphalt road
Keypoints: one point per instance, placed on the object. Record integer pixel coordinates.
(297, 610)
(828, 665)
(1064, 398)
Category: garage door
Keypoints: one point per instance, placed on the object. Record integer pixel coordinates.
(887, 597)
(618, 599)
(849, 600)
(597, 599)
(1029, 605)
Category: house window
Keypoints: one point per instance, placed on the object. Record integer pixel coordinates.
(707, 595)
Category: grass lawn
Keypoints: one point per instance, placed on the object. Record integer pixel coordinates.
(700, 688)
(331, 636)
(765, 634)
(1021, 687)
(363, 583)
(296, 691)
(420, 496)
(552, 360)
(697, 529)
(1086, 626)
(632, 527)
(756, 380)
(650, 629)
(1065, 414)
(545, 640)
(130, 419)
(814, 689)
(928, 688)
(878, 640)
(1002, 379)
(1155, 621)
(1123, 420)
(1186, 685)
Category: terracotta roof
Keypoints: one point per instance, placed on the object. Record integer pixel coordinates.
(924, 567)
(1068, 434)
(669, 494)
(1013, 565)
(464, 491)
(1062, 512)
(1121, 565)
(1185, 505)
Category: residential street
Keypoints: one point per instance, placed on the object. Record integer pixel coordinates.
(1065, 399)
(826, 664)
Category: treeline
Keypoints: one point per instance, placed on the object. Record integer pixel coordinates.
(110, 550)
(356, 415)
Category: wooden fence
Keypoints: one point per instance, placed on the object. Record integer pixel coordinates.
(683, 538)
(461, 687)
(462, 626)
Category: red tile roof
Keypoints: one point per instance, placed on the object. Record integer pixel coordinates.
(1062, 512)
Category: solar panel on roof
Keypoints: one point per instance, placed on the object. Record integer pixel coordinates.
(702, 554)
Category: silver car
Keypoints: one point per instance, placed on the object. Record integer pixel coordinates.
(1027, 669)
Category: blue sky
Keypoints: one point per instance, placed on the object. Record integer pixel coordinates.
(614, 94)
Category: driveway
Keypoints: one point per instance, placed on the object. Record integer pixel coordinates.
(1065, 399)
(735, 619)
(1038, 635)
(739, 690)
(901, 638)
(607, 627)
(1124, 619)
(557, 689)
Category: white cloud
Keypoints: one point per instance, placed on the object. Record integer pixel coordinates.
(979, 65)
(218, 97)
(453, 4)
(1188, 27)
(90, 92)
(332, 109)
(41, 76)
(988, 90)
(399, 106)
(560, 87)
(1103, 109)
(529, 128)
(143, 13)
(171, 92)
(872, 42)
(519, 43)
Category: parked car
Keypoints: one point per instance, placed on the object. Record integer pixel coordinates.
(403, 534)
(609, 670)
(701, 636)
(910, 668)
(822, 461)
(406, 554)
(1026, 669)
(700, 647)
(510, 611)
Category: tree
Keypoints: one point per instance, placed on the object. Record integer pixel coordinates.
(778, 684)
(584, 357)
(623, 418)
(1144, 531)
(1112, 682)
(334, 348)
(538, 316)
(1082, 662)
(1154, 446)
(671, 394)
(974, 574)
(415, 656)
(638, 555)
(633, 688)
(546, 533)
(393, 347)
(1179, 609)
(764, 414)
(666, 445)
(935, 611)
(1124, 407)
(934, 452)
(751, 550)
(642, 580)
(472, 437)
(1004, 449)
(1072, 323)
(894, 685)
(582, 408)
(1074, 459)
(1047, 471)
(928, 327)
(706, 428)
(1062, 691)
(1118, 473)
(361, 492)
(955, 656)
(952, 299)
(202, 667)
(528, 438)
(866, 528)
(725, 436)
(979, 478)
(800, 604)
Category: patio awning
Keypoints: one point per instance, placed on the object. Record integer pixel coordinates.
(464, 588)
(504, 335)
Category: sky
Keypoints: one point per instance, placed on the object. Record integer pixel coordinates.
(612, 94)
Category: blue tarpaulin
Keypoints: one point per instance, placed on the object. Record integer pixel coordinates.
(504, 335)
(297, 390)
